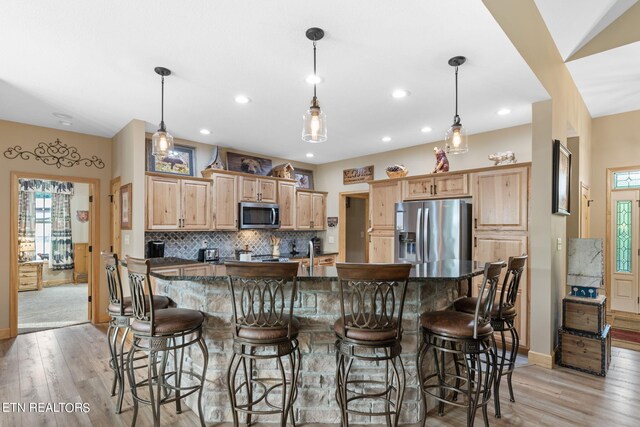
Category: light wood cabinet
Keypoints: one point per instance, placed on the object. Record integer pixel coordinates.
(311, 210)
(490, 247)
(287, 198)
(254, 189)
(383, 196)
(448, 185)
(178, 204)
(381, 247)
(30, 276)
(320, 260)
(500, 200)
(225, 202)
(80, 262)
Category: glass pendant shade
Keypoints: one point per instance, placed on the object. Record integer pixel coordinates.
(456, 139)
(314, 128)
(162, 143)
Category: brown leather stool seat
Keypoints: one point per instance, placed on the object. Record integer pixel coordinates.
(158, 303)
(373, 335)
(170, 321)
(270, 333)
(468, 305)
(453, 324)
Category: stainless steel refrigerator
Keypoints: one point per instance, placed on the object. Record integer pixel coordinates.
(433, 230)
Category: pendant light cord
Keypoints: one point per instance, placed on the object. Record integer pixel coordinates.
(315, 77)
(162, 106)
(456, 116)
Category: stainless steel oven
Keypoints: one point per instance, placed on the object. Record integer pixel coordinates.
(259, 215)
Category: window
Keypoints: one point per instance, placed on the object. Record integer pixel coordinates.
(43, 223)
(628, 179)
(623, 236)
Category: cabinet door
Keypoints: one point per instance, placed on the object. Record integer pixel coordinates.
(303, 210)
(163, 203)
(248, 189)
(287, 197)
(381, 247)
(493, 247)
(451, 185)
(382, 199)
(318, 218)
(197, 270)
(196, 205)
(225, 203)
(417, 188)
(267, 191)
(325, 260)
(500, 200)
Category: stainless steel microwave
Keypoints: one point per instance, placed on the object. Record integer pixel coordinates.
(259, 215)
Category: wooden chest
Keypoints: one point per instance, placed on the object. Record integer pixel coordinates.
(30, 276)
(585, 352)
(584, 314)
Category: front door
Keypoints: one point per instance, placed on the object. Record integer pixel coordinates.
(623, 250)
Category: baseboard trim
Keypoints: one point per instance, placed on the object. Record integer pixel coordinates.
(5, 333)
(541, 359)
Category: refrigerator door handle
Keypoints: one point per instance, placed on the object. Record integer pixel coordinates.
(425, 238)
(419, 242)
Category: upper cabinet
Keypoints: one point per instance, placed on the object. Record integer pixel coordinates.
(178, 204)
(287, 198)
(383, 196)
(448, 185)
(500, 199)
(254, 189)
(311, 210)
(225, 202)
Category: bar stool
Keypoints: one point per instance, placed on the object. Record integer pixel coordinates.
(264, 328)
(158, 332)
(120, 310)
(370, 330)
(465, 336)
(503, 320)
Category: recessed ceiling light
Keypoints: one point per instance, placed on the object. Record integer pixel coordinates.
(205, 131)
(503, 111)
(426, 129)
(63, 116)
(313, 79)
(386, 138)
(65, 123)
(309, 155)
(242, 99)
(400, 93)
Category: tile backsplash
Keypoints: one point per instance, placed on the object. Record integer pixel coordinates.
(185, 244)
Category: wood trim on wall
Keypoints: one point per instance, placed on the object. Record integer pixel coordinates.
(5, 333)
(540, 359)
(342, 223)
(94, 240)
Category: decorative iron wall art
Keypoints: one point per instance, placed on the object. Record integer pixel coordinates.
(54, 153)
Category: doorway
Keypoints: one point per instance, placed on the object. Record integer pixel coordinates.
(354, 220)
(54, 227)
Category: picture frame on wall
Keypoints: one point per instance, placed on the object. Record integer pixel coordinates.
(248, 164)
(180, 162)
(304, 179)
(561, 201)
(125, 207)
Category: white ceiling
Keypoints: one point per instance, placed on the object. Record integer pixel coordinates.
(608, 80)
(94, 61)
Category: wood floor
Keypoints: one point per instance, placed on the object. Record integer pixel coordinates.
(70, 365)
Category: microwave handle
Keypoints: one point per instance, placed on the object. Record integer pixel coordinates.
(273, 216)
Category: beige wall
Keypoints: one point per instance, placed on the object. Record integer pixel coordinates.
(524, 26)
(615, 143)
(27, 136)
(419, 160)
(79, 201)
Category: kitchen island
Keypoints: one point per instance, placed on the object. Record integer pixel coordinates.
(432, 286)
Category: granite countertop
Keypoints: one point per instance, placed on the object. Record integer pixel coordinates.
(452, 270)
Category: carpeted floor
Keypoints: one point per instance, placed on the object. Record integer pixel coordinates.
(52, 307)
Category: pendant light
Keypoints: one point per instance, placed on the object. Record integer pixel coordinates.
(162, 141)
(314, 128)
(456, 137)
